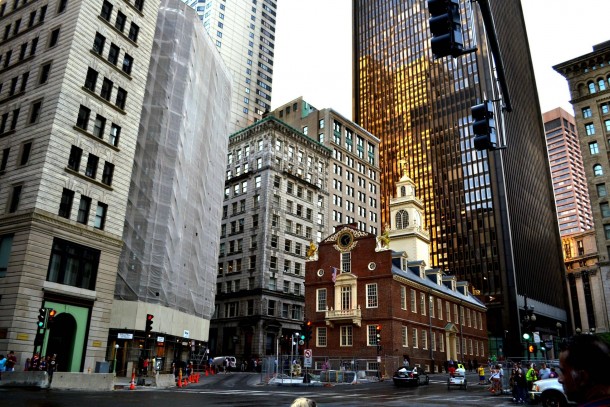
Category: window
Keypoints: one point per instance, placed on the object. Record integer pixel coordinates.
(44, 73)
(598, 170)
(601, 190)
(35, 112)
(106, 89)
(65, 205)
(107, 174)
(113, 54)
(413, 301)
(62, 6)
(346, 262)
(121, 97)
(33, 46)
(91, 79)
(605, 209)
(127, 64)
(75, 157)
(403, 297)
(6, 242)
(371, 296)
(422, 303)
(73, 264)
(439, 307)
(593, 148)
(26, 148)
(321, 338)
(138, 4)
(83, 210)
(91, 169)
(607, 231)
(15, 198)
(119, 23)
(606, 123)
(54, 38)
(371, 338)
(115, 132)
(98, 43)
(414, 338)
(346, 335)
(106, 10)
(4, 161)
(99, 125)
(591, 87)
(83, 117)
(133, 32)
(589, 129)
(586, 112)
(100, 216)
(14, 119)
(424, 339)
(601, 83)
(405, 336)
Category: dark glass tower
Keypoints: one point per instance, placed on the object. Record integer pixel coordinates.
(491, 216)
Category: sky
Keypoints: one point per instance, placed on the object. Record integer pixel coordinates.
(313, 48)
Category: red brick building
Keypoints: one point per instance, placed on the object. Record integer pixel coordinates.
(356, 282)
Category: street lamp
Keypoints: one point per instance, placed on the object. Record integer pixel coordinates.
(558, 326)
(116, 350)
(578, 331)
(592, 330)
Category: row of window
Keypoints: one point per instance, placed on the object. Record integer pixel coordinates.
(236, 308)
(99, 126)
(74, 162)
(113, 53)
(106, 89)
(84, 209)
(120, 20)
(36, 17)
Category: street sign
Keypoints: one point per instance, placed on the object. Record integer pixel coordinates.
(186, 334)
(124, 336)
(536, 337)
(308, 358)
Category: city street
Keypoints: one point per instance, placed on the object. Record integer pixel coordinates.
(243, 389)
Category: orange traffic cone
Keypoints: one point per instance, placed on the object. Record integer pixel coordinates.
(206, 372)
(132, 386)
(180, 378)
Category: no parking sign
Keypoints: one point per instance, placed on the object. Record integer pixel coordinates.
(308, 358)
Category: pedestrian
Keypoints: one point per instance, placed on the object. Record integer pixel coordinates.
(481, 371)
(27, 365)
(11, 361)
(584, 361)
(51, 367)
(2, 365)
(544, 372)
(553, 373)
(43, 364)
(520, 385)
(35, 362)
(303, 402)
(531, 376)
(470, 365)
(145, 367)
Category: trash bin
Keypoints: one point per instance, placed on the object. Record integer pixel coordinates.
(102, 367)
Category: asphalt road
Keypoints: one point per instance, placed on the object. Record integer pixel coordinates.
(244, 389)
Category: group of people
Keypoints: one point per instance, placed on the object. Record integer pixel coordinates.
(7, 364)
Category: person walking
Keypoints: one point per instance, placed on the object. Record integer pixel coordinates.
(531, 376)
(521, 385)
(11, 361)
(481, 372)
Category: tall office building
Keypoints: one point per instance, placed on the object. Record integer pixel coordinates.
(73, 76)
(244, 34)
(354, 167)
(291, 179)
(588, 79)
(567, 172)
(167, 267)
(491, 214)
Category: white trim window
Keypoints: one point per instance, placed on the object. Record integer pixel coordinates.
(321, 338)
(448, 310)
(371, 337)
(424, 339)
(441, 343)
(439, 306)
(414, 337)
(347, 337)
(321, 297)
(372, 300)
(403, 297)
(431, 301)
(405, 336)
(413, 301)
(422, 303)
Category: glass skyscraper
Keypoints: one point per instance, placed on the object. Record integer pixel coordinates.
(491, 215)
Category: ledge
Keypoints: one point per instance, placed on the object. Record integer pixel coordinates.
(86, 178)
(116, 68)
(116, 30)
(107, 102)
(100, 140)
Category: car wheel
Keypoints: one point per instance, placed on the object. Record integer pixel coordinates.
(465, 385)
(553, 399)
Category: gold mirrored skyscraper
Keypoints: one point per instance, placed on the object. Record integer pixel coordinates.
(491, 216)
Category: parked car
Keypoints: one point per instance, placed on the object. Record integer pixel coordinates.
(410, 376)
(549, 393)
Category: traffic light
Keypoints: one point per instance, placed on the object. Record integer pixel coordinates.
(484, 126)
(446, 28)
(532, 348)
(149, 323)
(51, 317)
(307, 329)
(378, 335)
(42, 317)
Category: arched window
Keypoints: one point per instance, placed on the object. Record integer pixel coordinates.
(402, 219)
(602, 84)
(591, 87)
(403, 191)
(598, 170)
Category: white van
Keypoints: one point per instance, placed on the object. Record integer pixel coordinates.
(218, 362)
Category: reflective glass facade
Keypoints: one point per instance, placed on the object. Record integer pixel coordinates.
(420, 109)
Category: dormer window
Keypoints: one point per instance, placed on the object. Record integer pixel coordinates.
(403, 191)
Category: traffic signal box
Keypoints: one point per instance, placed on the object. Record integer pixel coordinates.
(307, 331)
(446, 28)
(149, 323)
(484, 126)
(378, 336)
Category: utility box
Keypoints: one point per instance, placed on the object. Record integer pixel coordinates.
(102, 367)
